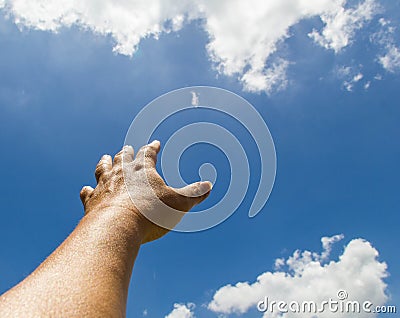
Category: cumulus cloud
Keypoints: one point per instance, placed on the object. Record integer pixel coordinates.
(182, 311)
(308, 276)
(243, 35)
(126, 21)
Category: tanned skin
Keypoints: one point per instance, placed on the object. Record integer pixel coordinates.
(88, 274)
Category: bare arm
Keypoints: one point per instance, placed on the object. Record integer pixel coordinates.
(88, 274)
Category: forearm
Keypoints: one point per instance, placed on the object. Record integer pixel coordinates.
(88, 275)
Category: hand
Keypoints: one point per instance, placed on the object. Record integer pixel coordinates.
(134, 185)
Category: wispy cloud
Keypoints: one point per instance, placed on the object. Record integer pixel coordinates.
(244, 37)
(341, 24)
(389, 58)
(350, 77)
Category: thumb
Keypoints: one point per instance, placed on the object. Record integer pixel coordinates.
(196, 192)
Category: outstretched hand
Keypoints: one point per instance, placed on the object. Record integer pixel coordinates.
(138, 200)
(88, 275)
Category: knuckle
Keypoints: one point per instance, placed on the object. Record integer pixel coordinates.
(151, 152)
(106, 175)
(137, 165)
(117, 171)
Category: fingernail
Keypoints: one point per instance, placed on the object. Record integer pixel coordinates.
(128, 146)
(206, 186)
(154, 142)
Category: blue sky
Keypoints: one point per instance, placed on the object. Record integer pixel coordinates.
(66, 98)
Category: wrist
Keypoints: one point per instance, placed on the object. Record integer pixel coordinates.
(121, 221)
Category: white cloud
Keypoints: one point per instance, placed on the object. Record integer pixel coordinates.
(311, 277)
(391, 60)
(182, 311)
(350, 76)
(341, 24)
(245, 48)
(350, 84)
(126, 21)
(243, 35)
(269, 80)
(386, 38)
(383, 22)
(327, 243)
(279, 262)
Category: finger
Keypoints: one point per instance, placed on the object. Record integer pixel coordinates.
(148, 154)
(125, 155)
(104, 165)
(85, 194)
(196, 192)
